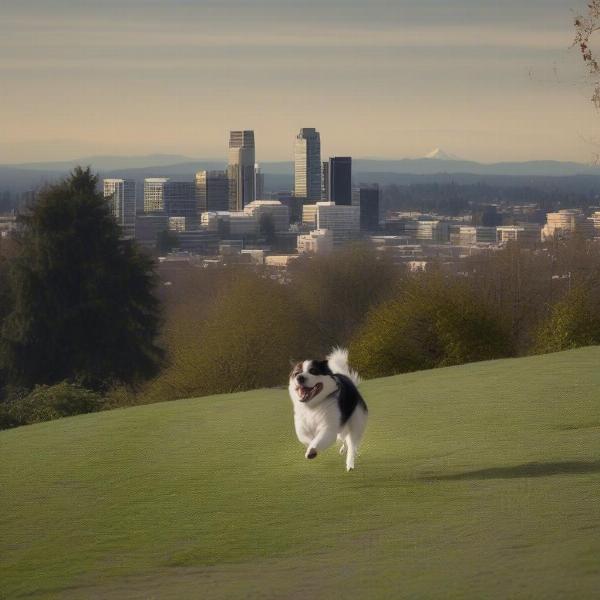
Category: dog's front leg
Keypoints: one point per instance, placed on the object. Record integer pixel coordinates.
(323, 439)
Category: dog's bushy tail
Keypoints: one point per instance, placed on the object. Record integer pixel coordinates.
(338, 363)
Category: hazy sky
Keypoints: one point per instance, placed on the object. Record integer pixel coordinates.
(484, 79)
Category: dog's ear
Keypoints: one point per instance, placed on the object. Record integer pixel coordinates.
(322, 366)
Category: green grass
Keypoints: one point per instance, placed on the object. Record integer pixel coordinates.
(480, 481)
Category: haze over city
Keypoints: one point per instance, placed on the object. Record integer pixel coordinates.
(485, 81)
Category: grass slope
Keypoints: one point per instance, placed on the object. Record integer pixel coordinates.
(478, 481)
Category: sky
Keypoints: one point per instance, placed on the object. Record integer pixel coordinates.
(487, 80)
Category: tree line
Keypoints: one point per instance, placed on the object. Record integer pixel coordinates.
(88, 322)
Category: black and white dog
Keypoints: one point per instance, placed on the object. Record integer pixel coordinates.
(328, 405)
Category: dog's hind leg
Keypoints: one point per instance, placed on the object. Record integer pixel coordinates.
(354, 437)
(342, 438)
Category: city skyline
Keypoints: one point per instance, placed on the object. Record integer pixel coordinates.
(485, 82)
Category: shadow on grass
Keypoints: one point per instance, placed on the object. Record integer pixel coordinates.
(535, 469)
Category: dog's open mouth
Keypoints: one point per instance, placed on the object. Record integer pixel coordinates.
(308, 393)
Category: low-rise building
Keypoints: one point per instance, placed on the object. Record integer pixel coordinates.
(565, 223)
(148, 226)
(434, 231)
(242, 223)
(280, 260)
(8, 224)
(278, 212)
(235, 223)
(319, 241)
(177, 224)
(198, 241)
(526, 234)
(469, 234)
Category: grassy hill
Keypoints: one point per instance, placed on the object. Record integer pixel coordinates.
(478, 481)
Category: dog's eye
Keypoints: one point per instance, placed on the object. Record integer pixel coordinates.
(313, 371)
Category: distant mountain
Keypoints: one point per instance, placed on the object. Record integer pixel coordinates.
(439, 154)
(437, 161)
(431, 166)
(279, 175)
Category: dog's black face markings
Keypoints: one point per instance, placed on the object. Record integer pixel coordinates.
(319, 367)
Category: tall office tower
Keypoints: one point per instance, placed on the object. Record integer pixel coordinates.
(173, 198)
(340, 180)
(180, 201)
(212, 191)
(242, 184)
(307, 165)
(325, 181)
(154, 194)
(369, 199)
(259, 178)
(121, 195)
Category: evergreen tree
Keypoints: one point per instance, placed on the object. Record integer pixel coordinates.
(83, 305)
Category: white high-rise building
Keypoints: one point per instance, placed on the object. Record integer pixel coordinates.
(154, 194)
(307, 165)
(121, 195)
(241, 171)
(343, 220)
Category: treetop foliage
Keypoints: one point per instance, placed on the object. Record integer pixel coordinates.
(83, 305)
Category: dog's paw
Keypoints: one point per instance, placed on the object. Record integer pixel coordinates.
(343, 449)
(311, 453)
(348, 469)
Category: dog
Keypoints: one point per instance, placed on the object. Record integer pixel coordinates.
(328, 405)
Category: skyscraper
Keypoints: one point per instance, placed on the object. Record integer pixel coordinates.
(212, 191)
(307, 165)
(340, 180)
(174, 198)
(369, 200)
(154, 194)
(240, 172)
(325, 181)
(259, 192)
(180, 201)
(121, 195)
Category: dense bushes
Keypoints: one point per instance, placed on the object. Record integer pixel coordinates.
(433, 323)
(246, 341)
(573, 322)
(238, 329)
(45, 403)
(337, 291)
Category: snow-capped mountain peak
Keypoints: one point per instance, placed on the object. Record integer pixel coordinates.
(439, 154)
